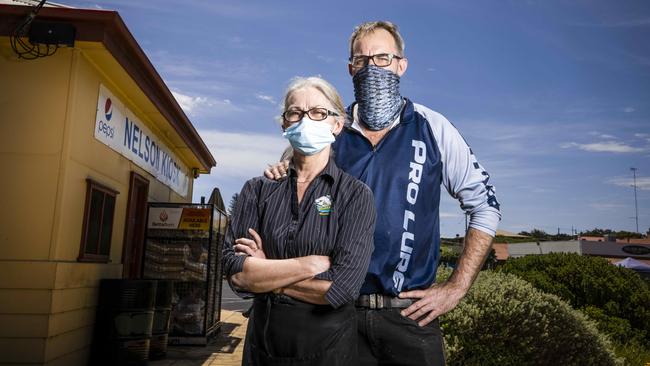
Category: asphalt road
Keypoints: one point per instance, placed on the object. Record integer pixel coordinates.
(230, 301)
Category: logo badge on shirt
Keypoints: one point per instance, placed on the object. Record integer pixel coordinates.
(324, 205)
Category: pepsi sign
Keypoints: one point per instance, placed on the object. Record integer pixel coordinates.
(117, 127)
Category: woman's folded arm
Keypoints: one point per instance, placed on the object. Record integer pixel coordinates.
(264, 275)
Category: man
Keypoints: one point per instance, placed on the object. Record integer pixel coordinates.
(404, 151)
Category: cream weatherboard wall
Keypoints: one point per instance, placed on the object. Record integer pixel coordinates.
(47, 151)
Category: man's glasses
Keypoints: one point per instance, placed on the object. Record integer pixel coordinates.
(380, 59)
(315, 114)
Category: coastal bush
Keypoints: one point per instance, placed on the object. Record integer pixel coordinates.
(615, 297)
(504, 320)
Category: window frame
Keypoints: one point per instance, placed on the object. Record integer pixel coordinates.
(92, 185)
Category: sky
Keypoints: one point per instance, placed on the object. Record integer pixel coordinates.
(552, 96)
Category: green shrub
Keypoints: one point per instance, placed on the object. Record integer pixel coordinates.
(504, 320)
(616, 297)
(449, 255)
(635, 354)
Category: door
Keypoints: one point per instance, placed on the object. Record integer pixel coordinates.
(135, 226)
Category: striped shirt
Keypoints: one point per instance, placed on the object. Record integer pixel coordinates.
(335, 218)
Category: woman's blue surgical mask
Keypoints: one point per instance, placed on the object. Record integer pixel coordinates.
(376, 91)
(309, 137)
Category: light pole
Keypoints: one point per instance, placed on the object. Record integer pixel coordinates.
(636, 207)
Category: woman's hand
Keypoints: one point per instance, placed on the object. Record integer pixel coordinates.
(318, 263)
(245, 246)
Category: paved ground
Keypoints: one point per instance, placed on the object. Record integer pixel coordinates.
(230, 301)
(225, 349)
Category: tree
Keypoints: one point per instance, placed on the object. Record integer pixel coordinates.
(539, 234)
(232, 203)
(618, 234)
(596, 232)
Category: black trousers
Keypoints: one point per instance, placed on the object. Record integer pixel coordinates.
(388, 338)
(283, 331)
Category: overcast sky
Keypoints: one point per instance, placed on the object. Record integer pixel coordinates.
(553, 96)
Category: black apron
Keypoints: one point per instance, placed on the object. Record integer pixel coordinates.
(284, 331)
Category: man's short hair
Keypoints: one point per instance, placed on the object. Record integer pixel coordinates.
(369, 27)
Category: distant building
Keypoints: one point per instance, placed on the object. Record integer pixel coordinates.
(509, 234)
(634, 241)
(544, 247)
(610, 250)
(592, 238)
(615, 251)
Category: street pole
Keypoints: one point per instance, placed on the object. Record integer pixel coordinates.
(636, 207)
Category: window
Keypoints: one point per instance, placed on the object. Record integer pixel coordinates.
(98, 223)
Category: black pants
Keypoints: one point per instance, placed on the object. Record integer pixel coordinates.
(388, 338)
(283, 331)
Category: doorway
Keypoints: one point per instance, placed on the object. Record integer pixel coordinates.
(135, 226)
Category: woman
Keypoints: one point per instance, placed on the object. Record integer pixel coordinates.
(311, 255)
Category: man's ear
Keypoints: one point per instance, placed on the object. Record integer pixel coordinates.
(401, 66)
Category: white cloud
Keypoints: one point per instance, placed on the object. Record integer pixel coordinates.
(629, 109)
(605, 146)
(195, 105)
(602, 135)
(266, 98)
(642, 183)
(645, 136)
(243, 155)
(188, 103)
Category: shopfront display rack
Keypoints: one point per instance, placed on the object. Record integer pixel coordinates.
(184, 243)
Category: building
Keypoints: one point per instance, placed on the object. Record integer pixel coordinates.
(611, 250)
(88, 136)
(616, 251)
(517, 250)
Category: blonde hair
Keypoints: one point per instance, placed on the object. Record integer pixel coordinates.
(366, 28)
(322, 86)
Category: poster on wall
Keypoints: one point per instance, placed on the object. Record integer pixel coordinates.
(179, 218)
(118, 128)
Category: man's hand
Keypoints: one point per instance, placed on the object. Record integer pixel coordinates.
(278, 170)
(245, 246)
(437, 300)
(441, 298)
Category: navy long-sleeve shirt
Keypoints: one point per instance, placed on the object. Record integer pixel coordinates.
(422, 152)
